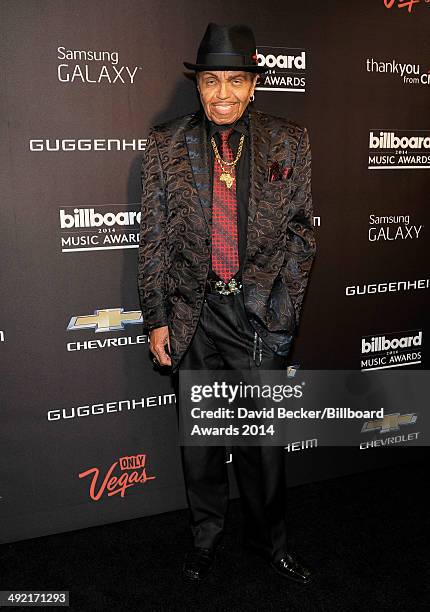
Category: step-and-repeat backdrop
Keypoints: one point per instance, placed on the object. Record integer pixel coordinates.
(88, 428)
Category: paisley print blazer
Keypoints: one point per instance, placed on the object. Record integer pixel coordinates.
(175, 229)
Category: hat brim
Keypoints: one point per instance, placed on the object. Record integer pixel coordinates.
(247, 68)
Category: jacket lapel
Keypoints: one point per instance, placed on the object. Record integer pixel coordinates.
(197, 145)
(259, 150)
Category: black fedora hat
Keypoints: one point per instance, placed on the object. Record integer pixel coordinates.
(227, 48)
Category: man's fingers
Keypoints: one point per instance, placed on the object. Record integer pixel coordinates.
(163, 357)
(159, 338)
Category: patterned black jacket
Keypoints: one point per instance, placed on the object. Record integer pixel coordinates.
(175, 228)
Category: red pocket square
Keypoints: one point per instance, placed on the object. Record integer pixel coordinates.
(276, 173)
(286, 172)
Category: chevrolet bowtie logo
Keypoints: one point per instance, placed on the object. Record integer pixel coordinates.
(108, 319)
(390, 422)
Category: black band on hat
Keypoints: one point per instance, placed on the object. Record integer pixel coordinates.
(215, 59)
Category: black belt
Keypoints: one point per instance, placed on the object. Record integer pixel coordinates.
(218, 286)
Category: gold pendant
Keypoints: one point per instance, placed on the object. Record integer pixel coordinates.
(227, 179)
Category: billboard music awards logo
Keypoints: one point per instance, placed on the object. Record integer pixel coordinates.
(390, 423)
(106, 320)
(124, 473)
(391, 350)
(95, 67)
(99, 228)
(286, 69)
(392, 227)
(408, 74)
(399, 149)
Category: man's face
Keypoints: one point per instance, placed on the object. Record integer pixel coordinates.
(225, 94)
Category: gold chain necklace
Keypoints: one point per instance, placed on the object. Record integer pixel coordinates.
(226, 176)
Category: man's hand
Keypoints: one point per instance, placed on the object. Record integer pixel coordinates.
(158, 339)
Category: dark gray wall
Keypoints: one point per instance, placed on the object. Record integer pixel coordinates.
(43, 287)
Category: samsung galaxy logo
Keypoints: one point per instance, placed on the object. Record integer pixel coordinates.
(91, 71)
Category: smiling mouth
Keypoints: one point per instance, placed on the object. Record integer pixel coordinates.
(224, 108)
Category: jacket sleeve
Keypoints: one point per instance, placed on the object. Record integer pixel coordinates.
(152, 238)
(300, 246)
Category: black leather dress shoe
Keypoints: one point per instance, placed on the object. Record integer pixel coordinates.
(198, 563)
(291, 567)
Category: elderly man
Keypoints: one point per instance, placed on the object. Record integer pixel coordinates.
(226, 247)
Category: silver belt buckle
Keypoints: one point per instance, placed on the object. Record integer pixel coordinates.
(227, 288)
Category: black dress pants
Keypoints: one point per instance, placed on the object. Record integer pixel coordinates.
(224, 340)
